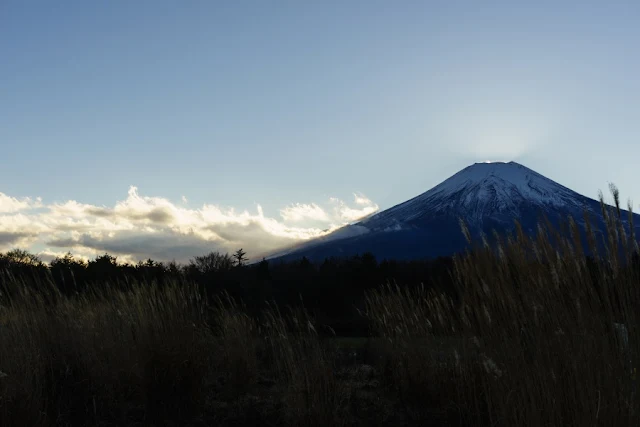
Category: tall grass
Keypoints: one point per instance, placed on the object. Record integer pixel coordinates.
(306, 366)
(113, 356)
(238, 344)
(158, 355)
(536, 332)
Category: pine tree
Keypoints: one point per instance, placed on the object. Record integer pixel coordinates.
(240, 258)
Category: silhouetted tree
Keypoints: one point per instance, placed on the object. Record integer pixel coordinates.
(213, 262)
(262, 270)
(104, 269)
(174, 269)
(305, 265)
(22, 257)
(68, 273)
(240, 258)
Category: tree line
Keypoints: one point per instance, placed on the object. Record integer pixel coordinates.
(333, 290)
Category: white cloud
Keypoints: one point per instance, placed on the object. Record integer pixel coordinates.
(141, 227)
(362, 200)
(347, 214)
(301, 212)
(11, 204)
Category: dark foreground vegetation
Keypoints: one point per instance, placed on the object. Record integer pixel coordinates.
(530, 332)
(333, 290)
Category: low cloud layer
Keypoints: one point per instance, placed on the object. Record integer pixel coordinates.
(141, 227)
(11, 204)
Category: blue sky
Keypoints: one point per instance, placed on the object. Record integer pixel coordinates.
(291, 104)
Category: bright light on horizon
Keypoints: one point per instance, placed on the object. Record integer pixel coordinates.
(499, 131)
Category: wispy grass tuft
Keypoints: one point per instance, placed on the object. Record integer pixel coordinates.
(305, 365)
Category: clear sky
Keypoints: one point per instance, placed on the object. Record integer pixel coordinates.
(208, 106)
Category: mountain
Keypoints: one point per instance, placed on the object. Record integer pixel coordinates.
(487, 196)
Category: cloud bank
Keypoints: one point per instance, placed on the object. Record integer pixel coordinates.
(141, 227)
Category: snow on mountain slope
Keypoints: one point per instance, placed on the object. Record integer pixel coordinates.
(481, 191)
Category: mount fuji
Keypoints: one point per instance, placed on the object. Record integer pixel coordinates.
(486, 196)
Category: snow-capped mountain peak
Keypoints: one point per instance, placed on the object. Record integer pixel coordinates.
(479, 191)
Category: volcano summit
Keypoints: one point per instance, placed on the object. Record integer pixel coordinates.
(486, 196)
